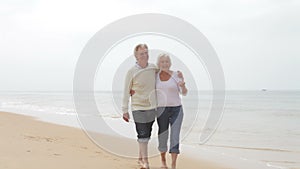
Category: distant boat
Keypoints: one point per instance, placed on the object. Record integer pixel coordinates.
(264, 90)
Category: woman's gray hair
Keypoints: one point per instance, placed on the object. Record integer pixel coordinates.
(163, 55)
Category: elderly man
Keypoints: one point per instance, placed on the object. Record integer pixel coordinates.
(140, 79)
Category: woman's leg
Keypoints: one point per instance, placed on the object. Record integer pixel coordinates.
(163, 160)
(176, 121)
(163, 133)
(174, 160)
(163, 129)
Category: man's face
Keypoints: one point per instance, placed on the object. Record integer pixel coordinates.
(142, 56)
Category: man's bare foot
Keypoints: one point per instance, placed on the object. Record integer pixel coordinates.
(145, 166)
(140, 162)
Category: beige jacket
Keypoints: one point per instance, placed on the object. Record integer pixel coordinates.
(142, 81)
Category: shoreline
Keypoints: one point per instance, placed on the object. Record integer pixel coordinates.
(234, 144)
(28, 142)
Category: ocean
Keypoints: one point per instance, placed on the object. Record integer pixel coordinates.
(262, 127)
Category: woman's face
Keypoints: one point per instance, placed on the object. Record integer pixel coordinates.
(164, 63)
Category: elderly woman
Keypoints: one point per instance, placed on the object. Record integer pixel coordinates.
(169, 86)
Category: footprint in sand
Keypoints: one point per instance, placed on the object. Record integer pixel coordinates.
(98, 152)
(83, 147)
(41, 138)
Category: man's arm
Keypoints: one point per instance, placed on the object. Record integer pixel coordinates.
(126, 95)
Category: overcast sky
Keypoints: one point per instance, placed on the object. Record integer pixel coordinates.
(257, 41)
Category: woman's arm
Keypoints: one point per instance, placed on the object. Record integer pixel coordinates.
(183, 88)
(181, 83)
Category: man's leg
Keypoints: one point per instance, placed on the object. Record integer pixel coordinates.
(143, 146)
(140, 160)
(144, 120)
(144, 133)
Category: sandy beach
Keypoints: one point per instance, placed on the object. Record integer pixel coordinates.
(30, 143)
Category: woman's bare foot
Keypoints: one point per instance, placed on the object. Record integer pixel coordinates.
(164, 164)
(164, 167)
(163, 160)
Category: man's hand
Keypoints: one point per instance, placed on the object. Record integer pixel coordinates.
(126, 117)
(131, 92)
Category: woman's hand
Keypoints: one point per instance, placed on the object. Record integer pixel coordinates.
(181, 84)
(180, 75)
(184, 90)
